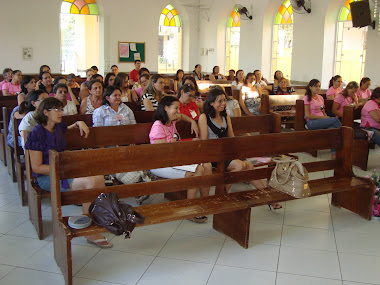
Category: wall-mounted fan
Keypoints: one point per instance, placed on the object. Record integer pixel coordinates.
(243, 11)
(301, 6)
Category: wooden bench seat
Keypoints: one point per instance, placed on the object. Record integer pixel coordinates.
(127, 135)
(10, 102)
(231, 211)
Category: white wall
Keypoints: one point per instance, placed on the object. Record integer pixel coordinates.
(32, 24)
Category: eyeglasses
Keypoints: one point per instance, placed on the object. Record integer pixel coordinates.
(56, 109)
(190, 95)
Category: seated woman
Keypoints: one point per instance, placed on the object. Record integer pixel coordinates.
(29, 121)
(198, 98)
(315, 114)
(197, 72)
(215, 75)
(72, 81)
(238, 81)
(94, 100)
(231, 75)
(282, 88)
(45, 68)
(70, 94)
(109, 80)
(60, 92)
(18, 112)
(122, 82)
(89, 74)
(345, 98)
(186, 104)
(115, 69)
(363, 91)
(138, 92)
(28, 84)
(14, 86)
(7, 75)
(250, 96)
(164, 131)
(334, 87)
(178, 80)
(260, 80)
(112, 112)
(47, 135)
(216, 123)
(46, 82)
(370, 116)
(232, 105)
(153, 93)
(83, 93)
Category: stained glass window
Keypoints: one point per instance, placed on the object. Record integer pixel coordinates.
(83, 7)
(169, 17)
(234, 20)
(345, 12)
(285, 14)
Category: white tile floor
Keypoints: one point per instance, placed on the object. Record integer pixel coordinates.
(306, 242)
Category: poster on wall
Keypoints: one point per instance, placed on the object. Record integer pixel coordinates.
(131, 51)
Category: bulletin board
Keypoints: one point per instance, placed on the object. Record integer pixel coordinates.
(131, 51)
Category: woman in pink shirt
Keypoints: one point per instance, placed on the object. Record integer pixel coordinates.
(364, 92)
(7, 75)
(345, 98)
(165, 131)
(14, 86)
(315, 109)
(334, 87)
(370, 116)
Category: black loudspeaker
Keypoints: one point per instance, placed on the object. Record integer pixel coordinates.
(361, 14)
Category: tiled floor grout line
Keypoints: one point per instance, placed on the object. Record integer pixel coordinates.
(142, 275)
(279, 248)
(216, 260)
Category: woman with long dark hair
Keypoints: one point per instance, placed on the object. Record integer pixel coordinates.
(345, 98)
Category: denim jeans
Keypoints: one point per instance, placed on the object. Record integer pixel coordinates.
(376, 135)
(327, 123)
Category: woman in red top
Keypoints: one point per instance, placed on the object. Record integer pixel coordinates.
(186, 104)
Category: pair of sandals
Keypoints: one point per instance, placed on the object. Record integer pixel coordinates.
(199, 220)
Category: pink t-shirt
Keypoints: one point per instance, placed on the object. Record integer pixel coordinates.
(316, 105)
(332, 91)
(139, 91)
(160, 131)
(344, 101)
(12, 89)
(363, 94)
(367, 120)
(1, 84)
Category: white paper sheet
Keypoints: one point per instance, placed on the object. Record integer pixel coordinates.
(137, 56)
(189, 168)
(133, 46)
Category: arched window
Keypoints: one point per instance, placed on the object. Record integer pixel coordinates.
(283, 39)
(350, 46)
(233, 41)
(169, 41)
(79, 35)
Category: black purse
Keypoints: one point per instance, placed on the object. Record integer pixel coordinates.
(114, 215)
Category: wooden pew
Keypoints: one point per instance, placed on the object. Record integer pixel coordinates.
(126, 135)
(231, 211)
(8, 104)
(361, 147)
(9, 151)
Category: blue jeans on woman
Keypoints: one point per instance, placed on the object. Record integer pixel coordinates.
(326, 123)
(376, 135)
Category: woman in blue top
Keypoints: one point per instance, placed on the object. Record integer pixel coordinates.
(47, 135)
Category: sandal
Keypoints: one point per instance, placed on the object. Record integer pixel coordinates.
(141, 199)
(198, 220)
(275, 206)
(99, 242)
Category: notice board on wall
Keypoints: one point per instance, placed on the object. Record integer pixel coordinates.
(131, 51)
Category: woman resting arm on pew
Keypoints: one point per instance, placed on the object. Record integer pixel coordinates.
(164, 131)
(216, 123)
(370, 116)
(345, 98)
(250, 96)
(49, 134)
(315, 114)
(112, 112)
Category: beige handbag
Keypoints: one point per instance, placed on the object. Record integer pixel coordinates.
(290, 177)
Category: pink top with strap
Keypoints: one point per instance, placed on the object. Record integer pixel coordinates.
(367, 120)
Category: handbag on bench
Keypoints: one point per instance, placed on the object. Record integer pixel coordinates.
(289, 176)
(114, 215)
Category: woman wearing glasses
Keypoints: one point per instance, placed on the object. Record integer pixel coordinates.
(187, 106)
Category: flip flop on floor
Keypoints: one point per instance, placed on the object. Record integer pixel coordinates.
(99, 242)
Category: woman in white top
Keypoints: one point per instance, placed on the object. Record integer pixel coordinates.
(215, 75)
(94, 99)
(239, 81)
(197, 72)
(250, 96)
(122, 82)
(60, 91)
